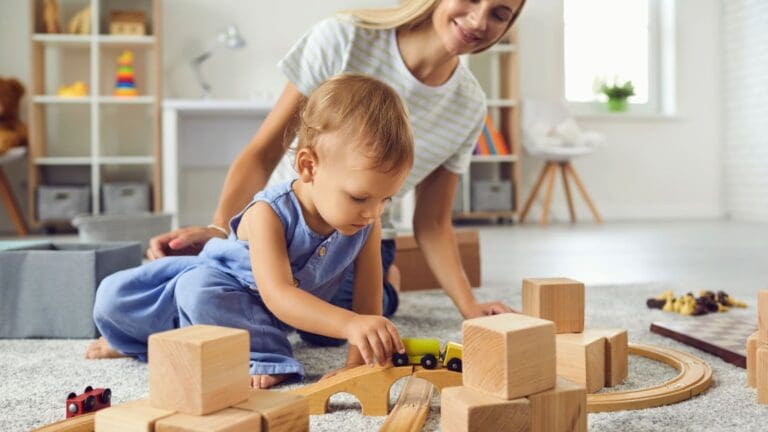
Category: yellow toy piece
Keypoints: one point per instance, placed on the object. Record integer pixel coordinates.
(76, 89)
(426, 352)
(669, 306)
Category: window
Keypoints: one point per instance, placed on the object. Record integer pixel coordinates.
(614, 40)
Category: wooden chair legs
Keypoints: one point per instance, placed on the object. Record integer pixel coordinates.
(12, 207)
(548, 173)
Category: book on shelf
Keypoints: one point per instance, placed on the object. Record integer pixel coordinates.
(491, 141)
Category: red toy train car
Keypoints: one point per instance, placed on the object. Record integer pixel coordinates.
(91, 400)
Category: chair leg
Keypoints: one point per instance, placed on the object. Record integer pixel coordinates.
(534, 191)
(6, 195)
(583, 191)
(551, 174)
(567, 189)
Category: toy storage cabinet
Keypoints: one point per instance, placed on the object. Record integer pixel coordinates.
(96, 138)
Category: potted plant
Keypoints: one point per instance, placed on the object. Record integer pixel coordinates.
(617, 93)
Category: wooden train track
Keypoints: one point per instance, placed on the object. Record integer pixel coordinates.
(695, 376)
(412, 407)
(371, 387)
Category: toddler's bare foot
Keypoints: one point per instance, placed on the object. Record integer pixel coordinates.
(267, 381)
(394, 277)
(100, 349)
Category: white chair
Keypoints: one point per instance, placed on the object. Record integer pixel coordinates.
(551, 134)
(6, 192)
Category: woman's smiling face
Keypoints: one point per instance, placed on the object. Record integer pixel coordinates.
(466, 26)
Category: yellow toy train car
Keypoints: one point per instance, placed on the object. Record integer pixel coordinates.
(426, 352)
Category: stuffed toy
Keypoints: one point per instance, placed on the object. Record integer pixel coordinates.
(13, 132)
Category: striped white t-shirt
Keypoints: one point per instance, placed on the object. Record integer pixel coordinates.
(446, 119)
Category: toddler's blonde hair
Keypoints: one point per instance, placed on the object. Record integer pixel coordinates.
(369, 111)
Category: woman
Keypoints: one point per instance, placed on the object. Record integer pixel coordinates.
(415, 48)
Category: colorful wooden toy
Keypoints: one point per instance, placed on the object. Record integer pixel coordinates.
(125, 85)
(91, 400)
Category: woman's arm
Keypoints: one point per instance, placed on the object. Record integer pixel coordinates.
(434, 234)
(249, 174)
(271, 267)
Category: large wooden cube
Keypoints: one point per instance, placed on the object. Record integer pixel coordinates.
(616, 354)
(280, 411)
(463, 409)
(199, 369)
(581, 359)
(559, 300)
(762, 316)
(134, 416)
(226, 420)
(508, 355)
(562, 409)
(752, 343)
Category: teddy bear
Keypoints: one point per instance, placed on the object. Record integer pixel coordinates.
(13, 132)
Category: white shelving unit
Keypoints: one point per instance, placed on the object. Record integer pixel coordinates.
(496, 69)
(85, 144)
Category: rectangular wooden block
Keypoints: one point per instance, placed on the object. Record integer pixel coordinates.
(415, 272)
(762, 375)
(199, 369)
(463, 409)
(226, 420)
(616, 354)
(762, 315)
(280, 411)
(581, 359)
(559, 300)
(752, 343)
(134, 416)
(508, 355)
(562, 409)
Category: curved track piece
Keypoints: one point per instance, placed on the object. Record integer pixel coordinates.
(695, 377)
(440, 378)
(412, 407)
(81, 423)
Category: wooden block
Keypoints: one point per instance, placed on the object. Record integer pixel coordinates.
(559, 300)
(752, 343)
(761, 375)
(226, 420)
(134, 416)
(581, 359)
(468, 410)
(562, 409)
(616, 354)
(280, 411)
(508, 355)
(415, 272)
(199, 369)
(762, 315)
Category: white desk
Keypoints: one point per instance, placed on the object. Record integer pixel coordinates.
(203, 133)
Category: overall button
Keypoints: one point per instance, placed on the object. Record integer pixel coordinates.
(321, 251)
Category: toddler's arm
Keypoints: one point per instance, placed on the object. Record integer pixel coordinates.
(263, 230)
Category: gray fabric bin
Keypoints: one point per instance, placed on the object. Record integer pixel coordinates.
(125, 197)
(62, 203)
(491, 195)
(47, 290)
(140, 227)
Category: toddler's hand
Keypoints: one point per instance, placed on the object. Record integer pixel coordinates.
(376, 338)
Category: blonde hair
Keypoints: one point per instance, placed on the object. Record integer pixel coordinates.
(369, 110)
(408, 14)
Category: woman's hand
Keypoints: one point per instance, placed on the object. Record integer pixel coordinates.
(183, 241)
(375, 337)
(482, 309)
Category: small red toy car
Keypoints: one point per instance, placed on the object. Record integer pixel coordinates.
(91, 400)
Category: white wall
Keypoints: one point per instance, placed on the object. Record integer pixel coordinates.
(649, 169)
(745, 108)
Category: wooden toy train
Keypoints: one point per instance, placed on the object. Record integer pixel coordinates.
(426, 352)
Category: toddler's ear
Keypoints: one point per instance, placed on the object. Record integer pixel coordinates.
(306, 164)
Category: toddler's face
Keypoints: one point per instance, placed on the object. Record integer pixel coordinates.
(348, 192)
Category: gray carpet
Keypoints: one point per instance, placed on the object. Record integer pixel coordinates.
(36, 375)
